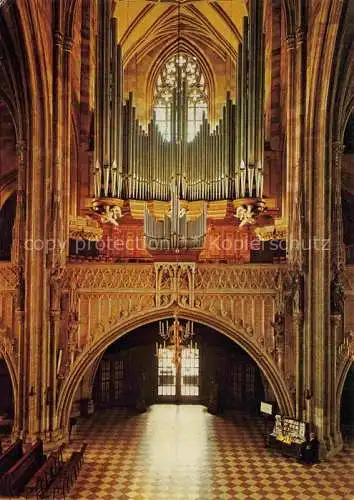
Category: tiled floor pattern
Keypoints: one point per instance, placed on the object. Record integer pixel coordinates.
(182, 452)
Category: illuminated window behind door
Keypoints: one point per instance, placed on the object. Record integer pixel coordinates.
(185, 379)
(166, 373)
(118, 378)
(105, 380)
(190, 372)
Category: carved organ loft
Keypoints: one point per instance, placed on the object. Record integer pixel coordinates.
(176, 163)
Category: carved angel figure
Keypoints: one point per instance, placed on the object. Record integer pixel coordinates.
(112, 215)
(245, 214)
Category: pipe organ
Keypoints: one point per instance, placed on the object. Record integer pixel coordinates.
(223, 160)
(175, 231)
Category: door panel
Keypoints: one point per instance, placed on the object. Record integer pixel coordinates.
(179, 383)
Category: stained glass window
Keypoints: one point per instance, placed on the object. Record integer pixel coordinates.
(180, 71)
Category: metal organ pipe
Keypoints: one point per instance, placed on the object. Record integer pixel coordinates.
(260, 149)
(243, 97)
(133, 162)
(114, 106)
(106, 62)
(118, 126)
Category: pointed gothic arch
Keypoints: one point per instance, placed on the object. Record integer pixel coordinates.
(10, 361)
(341, 379)
(88, 358)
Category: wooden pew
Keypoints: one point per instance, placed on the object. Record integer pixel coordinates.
(45, 475)
(63, 482)
(14, 480)
(11, 456)
(79, 455)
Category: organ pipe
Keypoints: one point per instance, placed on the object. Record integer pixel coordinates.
(221, 163)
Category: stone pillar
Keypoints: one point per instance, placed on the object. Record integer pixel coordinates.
(59, 224)
(67, 123)
(55, 283)
(337, 243)
(297, 256)
(290, 108)
(19, 429)
(278, 326)
(326, 303)
(17, 250)
(337, 290)
(18, 259)
(58, 152)
(336, 329)
(295, 146)
(297, 331)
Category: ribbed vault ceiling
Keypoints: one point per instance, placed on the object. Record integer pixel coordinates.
(145, 24)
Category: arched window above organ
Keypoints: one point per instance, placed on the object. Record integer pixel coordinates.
(180, 83)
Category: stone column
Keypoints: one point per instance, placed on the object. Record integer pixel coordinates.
(297, 331)
(326, 304)
(290, 108)
(297, 256)
(62, 46)
(59, 127)
(18, 259)
(278, 326)
(67, 124)
(337, 289)
(336, 330)
(56, 256)
(55, 284)
(337, 243)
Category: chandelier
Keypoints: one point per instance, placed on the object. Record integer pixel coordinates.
(175, 336)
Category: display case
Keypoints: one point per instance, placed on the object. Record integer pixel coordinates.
(288, 436)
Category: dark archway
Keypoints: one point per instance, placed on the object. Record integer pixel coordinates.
(347, 408)
(7, 410)
(7, 219)
(83, 363)
(129, 371)
(348, 191)
(8, 179)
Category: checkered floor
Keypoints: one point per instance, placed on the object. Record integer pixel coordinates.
(182, 452)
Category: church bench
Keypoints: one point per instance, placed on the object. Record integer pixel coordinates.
(79, 455)
(67, 474)
(10, 457)
(14, 480)
(45, 475)
(63, 482)
(58, 488)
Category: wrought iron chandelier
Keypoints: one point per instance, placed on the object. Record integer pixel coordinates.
(175, 337)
